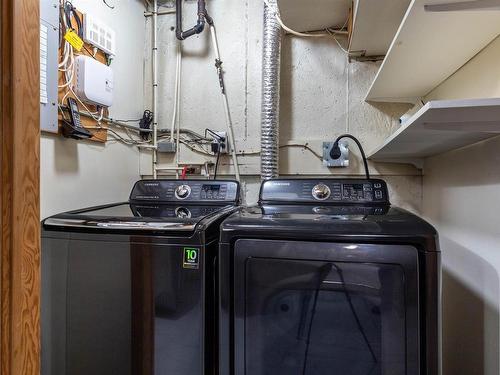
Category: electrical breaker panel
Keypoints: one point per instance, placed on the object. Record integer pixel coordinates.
(49, 45)
(94, 81)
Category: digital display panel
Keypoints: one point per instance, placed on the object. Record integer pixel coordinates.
(211, 188)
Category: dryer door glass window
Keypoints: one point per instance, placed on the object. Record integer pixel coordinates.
(324, 318)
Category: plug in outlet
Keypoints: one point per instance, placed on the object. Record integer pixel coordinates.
(341, 160)
(222, 140)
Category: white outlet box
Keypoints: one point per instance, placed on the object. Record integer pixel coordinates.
(97, 33)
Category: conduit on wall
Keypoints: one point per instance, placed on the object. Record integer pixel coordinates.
(271, 58)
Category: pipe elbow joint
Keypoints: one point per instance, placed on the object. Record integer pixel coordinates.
(200, 26)
(178, 34)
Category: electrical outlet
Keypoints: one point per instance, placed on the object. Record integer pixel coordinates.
(342, 161)
(225, 145)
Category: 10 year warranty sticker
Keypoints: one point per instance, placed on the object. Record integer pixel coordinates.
(191, 259)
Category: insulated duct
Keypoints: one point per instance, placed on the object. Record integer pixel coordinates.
(271, 58)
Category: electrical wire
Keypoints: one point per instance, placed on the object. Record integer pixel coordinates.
(360, 147)
(130, 120)
(305, 147)
(329, 31)
(89, 52)
(109, 6)
(337, 41)
(69, 11)
(217, 162)
(67, 67)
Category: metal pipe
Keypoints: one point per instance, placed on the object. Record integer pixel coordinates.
(229, 123)
(185, 131)
(271, 58)
(160, 12)
(154, 58)
(196, 29)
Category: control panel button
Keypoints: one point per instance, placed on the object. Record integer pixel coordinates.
(182, 191)
(321, 192)
(378, 194)
(182, 212)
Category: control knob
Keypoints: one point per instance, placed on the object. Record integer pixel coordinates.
(182, 213)
(321, 192)
(182, 191)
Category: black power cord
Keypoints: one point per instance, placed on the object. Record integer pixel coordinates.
(220, 143)
(217, 163)
(70, 10)
(335, 152)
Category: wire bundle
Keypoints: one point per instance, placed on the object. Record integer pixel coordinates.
(68, 67)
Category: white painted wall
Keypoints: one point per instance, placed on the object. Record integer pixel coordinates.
(461, 197)
(79, 174)
(322, 96)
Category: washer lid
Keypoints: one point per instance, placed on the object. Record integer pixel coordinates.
(149, 217)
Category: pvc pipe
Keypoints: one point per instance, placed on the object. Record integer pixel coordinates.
(160, 12)
(154, 59)
(226, 107)
(178, 105)
(176, 93)
(169, 168)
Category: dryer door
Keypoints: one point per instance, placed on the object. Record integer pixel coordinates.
(325, 309)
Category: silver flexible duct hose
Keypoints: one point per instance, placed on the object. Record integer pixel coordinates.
(271, 58)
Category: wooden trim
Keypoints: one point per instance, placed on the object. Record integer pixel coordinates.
(19, 189)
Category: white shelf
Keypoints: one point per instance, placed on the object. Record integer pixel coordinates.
(428, 48)
(374, 26)
(440, 126)
(312, 15)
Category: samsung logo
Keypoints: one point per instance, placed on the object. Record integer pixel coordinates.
(151, 184)
(281, 183)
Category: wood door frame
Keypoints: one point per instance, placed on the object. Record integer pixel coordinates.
(19, 188)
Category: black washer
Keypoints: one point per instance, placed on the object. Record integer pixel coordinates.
(129, 288)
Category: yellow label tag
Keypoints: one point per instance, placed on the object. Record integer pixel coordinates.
(74, 40)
